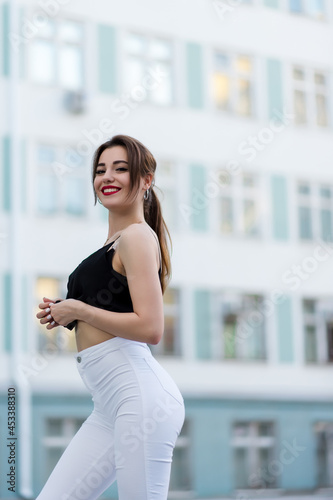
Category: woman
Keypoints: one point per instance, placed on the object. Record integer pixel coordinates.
(115, 303)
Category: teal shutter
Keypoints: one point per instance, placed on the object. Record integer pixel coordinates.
(274, 90)
(5, 39)
(285, 331)
(194, 75)
(7, 316)
(6, 172)
(279, 207)
(107, 59)
(198, 200)
(202, 324)
(272, 3)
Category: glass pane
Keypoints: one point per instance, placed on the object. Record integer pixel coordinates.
(70, 32)
(160, 49)
(325, 192)
(248, 180)
(135, 71)
(241, 468)
(265, 429)
(221, 89)
(169, 208)
(304, 189)
(243, 106)
(316, 9)
(54, 426)
(309, 306)
(46, 155)
(180, 471)
(46, 29)
(229, 336)
(321, 108)
(226, 215)
(241, 429)
(319, 79)
(310, 344)
(136, 44)
(243, 64)
(300, 106)
(75, 195)
(295, 5)
(222, 62)
(266, 479)
(42, 62)
(305, 225)
(326, 225)
(250, 221)
(52, 457)
(169, 335)
(46, 194)
(298, 73)
(70, 67)
(161, 93)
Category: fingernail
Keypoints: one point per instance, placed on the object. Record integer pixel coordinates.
(49, 316)
(47, 310)
(53, 323)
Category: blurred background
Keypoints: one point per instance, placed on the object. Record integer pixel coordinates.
(234, 99)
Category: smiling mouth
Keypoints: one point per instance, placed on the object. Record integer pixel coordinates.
(109, 191)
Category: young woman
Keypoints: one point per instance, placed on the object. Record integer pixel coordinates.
(115, 303)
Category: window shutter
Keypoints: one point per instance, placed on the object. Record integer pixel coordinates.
(107, 59)
(194, 75)
(279, 207)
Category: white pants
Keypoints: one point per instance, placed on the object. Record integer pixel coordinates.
(129, 436)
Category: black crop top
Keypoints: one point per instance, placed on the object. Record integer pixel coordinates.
(95, 282)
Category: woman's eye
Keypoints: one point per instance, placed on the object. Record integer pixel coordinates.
(121, 168)
(99, 171)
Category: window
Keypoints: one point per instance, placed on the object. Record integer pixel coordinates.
(58, 434)
(240, 333)
(58, 339)
(166, 181)
(180, 479)
(318, 330)
(148, 71)
(324, 439)
(61, 182)
(56, 54)
(312, 8)
(310, 96)
(170, 342)
(240, 205)
(315, 211)
(253, 448)
(233, 83)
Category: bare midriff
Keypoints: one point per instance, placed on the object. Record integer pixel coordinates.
(87, 335)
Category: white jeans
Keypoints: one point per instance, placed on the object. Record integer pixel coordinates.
(131, 433)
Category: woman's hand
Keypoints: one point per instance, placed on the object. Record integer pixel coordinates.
(60, 313)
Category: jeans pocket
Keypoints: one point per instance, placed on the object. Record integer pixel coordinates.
(166, 381)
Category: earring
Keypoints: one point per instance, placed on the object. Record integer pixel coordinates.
(99, 201)
(146, 195)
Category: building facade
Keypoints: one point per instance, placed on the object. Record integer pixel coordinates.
(234, 99)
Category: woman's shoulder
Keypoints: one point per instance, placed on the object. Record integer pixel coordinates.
(140, 230)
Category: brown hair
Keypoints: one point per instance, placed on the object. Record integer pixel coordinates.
(140, 163)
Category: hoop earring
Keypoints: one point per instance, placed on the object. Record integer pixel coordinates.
(99, 201)
(146, 195)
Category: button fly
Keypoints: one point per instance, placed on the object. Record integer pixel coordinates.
(79, 359)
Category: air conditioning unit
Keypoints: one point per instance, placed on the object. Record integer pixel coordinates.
(75, 101)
